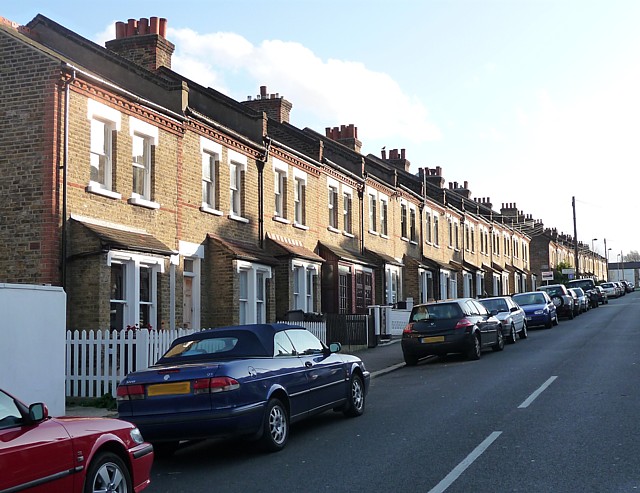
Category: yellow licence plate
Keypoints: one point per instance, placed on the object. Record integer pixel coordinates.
(174, 388)
(428, 340)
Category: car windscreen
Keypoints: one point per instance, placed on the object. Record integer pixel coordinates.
(555, 291)
(229, 344)
(529, 299)
(585, 284)
(499, 305)
(439, 311)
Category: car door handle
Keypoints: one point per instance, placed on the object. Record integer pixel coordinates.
(308, 364)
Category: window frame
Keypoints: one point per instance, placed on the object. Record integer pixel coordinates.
(210, 150)
(237, 168)
(110, 121)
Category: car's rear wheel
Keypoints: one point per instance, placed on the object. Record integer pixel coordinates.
(275, 431)
(475, 351)
(355, 405)
(571, 315)
(410, 360)
(513, 336)
(549, 323)
(108, 472)
(523, 333)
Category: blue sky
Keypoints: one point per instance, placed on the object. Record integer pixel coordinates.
(532, 102)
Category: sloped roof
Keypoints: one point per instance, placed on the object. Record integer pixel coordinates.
(244, 250)
(114, 238)
(293, 248)
(347, 255)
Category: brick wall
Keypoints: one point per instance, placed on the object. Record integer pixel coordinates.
(29, 138)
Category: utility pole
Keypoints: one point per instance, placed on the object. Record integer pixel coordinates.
(606, 260)
(575, 235)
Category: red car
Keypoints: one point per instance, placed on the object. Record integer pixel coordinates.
(71, 455)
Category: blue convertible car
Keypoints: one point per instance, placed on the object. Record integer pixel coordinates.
(249, 380)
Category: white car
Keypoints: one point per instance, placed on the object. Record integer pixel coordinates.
(610, 289)
(512, 317)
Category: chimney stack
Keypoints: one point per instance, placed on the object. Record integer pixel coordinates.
(398, 160)
(275, 106)
(346, 135)
(432, 175)
(143, 42)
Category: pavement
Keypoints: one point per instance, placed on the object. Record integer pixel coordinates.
(380, 360)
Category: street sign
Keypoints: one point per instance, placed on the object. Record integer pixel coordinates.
(547, 276)
(568, 272)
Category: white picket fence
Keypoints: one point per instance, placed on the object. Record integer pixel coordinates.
(97, 360)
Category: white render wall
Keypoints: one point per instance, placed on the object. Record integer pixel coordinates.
(32, 344)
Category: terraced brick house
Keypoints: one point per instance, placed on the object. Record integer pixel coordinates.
(158, 202)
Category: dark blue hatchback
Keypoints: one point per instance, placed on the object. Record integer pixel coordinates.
(249, 380)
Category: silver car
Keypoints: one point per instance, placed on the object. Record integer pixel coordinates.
(512, 317)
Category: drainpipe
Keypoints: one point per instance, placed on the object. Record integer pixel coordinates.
(260, 163)
(65, 162)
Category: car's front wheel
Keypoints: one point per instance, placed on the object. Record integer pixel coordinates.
(275, 431)
(499, 345)
(108, 472)
(355, 404)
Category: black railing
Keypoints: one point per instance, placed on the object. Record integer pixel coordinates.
(349, 330)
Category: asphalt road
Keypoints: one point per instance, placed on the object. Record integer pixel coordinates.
(557, 412)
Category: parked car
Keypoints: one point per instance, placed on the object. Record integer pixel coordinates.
(511, 316)
(603, 299)
(588, 285)
(41, 453)
(559, 294)
(576, 302)
(538, 308)
(628, 286)
(582, 304)
(248, 380)
(456, 326)
(620, 288)
(610, 289)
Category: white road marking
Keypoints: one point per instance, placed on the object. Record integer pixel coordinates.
(533, 396)
(468, 460)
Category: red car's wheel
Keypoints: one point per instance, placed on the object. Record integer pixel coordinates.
(107, 472)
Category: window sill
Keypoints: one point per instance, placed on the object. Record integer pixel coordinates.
(281, 220)
(386, 237)
(348, 235)
(300, 226)
(414, 242)
(333, 230)
(94, 187)
(404, 238)
(143, 202)
(372, 232)
(209, 210)
(240, 219)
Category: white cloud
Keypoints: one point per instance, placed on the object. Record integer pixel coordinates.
(333, 91)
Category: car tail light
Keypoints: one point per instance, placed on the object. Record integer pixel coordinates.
(408, 329)
(130, 392)
(463, 323)
(214, 385)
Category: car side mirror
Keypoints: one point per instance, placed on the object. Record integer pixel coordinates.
(514, 308)
(493, 313)
(38, 412)
(335, 347)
